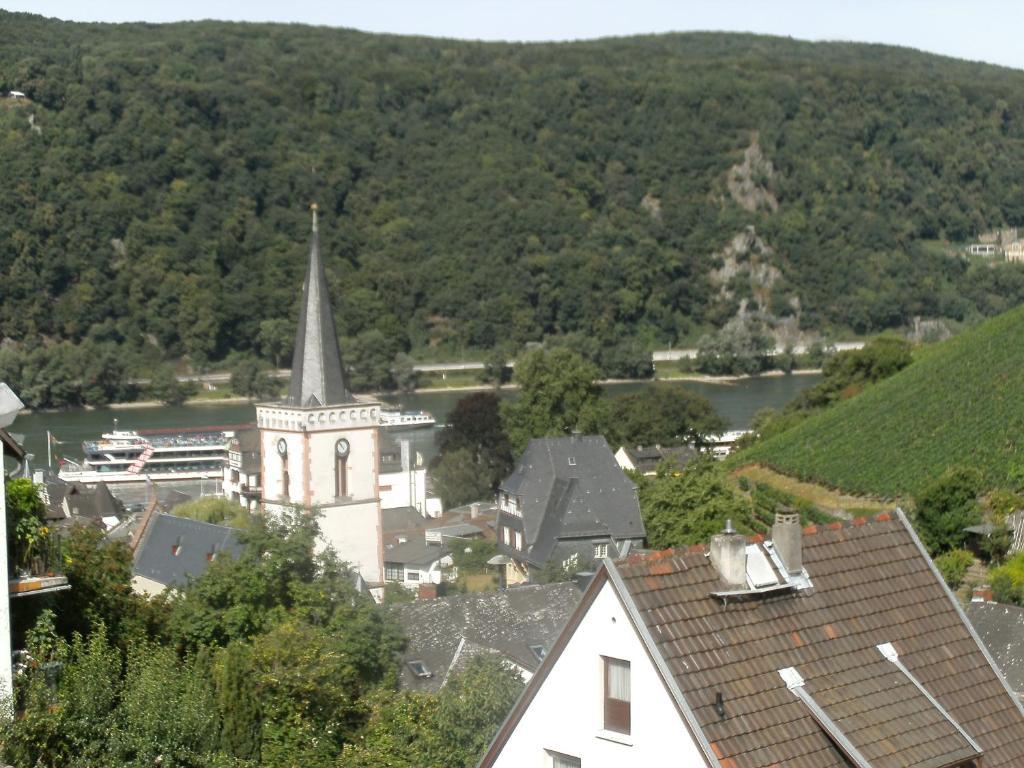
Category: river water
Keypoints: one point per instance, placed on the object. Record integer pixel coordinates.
(737, 402)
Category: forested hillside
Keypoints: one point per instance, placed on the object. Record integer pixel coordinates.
(958, 405)
(157, 178)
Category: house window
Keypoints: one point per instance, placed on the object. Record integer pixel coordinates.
(234, 475)
(341, 477)
(572, 461)
(558, 760)
(420, 669)
(519, 540)
(392, 572)
(507, 533)
(616, 695)
(601, 550)
(412, 575)
(539, 652)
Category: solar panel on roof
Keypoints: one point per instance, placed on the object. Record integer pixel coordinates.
(759, 570)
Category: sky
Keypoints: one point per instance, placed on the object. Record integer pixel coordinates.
(980, 30)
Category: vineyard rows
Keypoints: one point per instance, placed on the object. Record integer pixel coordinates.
(961, 403)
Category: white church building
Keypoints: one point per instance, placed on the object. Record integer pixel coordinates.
(320, 446)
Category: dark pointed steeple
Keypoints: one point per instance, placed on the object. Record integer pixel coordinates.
(317, 376)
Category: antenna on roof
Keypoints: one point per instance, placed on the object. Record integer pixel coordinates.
(314, 208)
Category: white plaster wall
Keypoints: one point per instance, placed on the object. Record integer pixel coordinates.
(361, 465)
(567, 713)
(404, 489)
(353, 530)
(147, 587)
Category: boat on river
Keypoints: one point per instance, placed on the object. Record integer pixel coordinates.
(123, 456)
(395, 419)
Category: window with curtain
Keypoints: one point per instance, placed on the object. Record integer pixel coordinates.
(616, 695)
(558, 760)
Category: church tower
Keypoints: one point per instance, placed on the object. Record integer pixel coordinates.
(319, 447)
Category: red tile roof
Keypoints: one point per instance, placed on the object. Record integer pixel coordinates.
(872, 584)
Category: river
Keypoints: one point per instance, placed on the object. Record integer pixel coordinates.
(737, 402)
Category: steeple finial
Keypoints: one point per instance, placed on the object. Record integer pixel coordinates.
(314, 208)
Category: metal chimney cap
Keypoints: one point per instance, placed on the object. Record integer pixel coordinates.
(728, 526)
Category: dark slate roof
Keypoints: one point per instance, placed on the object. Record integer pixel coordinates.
(1001, 628)
(317, 375)
(196, 542)
(445, 632)
(414, 552)
(873, 583)
(571, 487)
(93, 503)
(647, 458)
(401, 518)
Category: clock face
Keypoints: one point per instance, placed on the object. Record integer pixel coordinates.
(282, 447)
(341, 447)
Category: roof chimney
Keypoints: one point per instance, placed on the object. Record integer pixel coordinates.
(787, 538)
(474, 510)
(729, 555)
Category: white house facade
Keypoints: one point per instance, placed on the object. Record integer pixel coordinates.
(565, 724)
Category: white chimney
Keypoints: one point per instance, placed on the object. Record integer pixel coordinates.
(729, 556)
(787, 538)
(474, 510)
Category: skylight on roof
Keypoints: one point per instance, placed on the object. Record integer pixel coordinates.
(420, 669)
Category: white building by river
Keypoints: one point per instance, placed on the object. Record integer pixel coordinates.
(319, 447)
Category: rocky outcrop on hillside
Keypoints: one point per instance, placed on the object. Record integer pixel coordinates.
(750, 182)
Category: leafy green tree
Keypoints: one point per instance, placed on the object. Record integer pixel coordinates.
(403, 373)
(250, 380)
(448, 730)
(684, 508)
(742, 346)
(276, 337)
(1008, 580)
(663, 414)
(100, 574)
(27, 533)
(946, 506)
(238, 703)
(555, 386)
(475, 426)
(459, 478)
(847, 373)
(165, 386)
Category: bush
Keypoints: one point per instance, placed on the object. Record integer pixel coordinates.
(1008, 580)
(946, 506)
(953, 566)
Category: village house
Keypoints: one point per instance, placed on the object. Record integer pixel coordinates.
(170, 551)
(838, 646)
(516, 625)
(418, 550)
(568, 503)
(241, 481)
(646, 459)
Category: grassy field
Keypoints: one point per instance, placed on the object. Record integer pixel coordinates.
(834, 502)
(960, 403)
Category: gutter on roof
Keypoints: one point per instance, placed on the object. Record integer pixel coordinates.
(659, 663)
(902, 517)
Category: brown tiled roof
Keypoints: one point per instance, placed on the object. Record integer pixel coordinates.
(872, 584)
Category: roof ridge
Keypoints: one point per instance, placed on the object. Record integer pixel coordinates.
(810, 530)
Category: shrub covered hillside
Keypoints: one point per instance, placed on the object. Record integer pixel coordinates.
(157, 178)
(961, 403)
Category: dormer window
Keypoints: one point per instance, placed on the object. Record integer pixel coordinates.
(420, 669)
(176, 547)
(601, 550)
(572, 461)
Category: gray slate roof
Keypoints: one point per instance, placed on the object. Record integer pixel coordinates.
(445, 632)
(317, 374)
(92, 503)
(1001, 628)
(415, 552)
(571, 487)
(646, 458)
(155, 557)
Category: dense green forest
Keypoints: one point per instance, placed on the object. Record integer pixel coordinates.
(157, 178)
(957, 405)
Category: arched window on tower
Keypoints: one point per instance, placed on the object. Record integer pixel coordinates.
(282, 451)
(341, 449)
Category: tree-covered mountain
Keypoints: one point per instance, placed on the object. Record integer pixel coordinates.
(156, 183)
